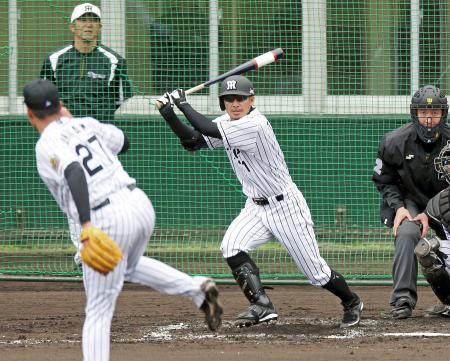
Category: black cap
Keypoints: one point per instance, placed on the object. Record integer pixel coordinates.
(41, 94)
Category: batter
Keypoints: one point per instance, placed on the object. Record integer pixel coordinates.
(275, 207)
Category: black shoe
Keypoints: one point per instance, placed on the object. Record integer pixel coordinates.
(256, 313)
(211, 306)
(402, 309)
(352, 313)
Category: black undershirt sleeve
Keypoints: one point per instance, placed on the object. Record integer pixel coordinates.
(76, 181)
(183, 131)
(200, 122)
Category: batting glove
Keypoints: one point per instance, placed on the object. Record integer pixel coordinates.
(165, 100)
(179, 97)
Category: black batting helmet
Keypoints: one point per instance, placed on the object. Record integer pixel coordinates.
(235, 84)
(428, 97)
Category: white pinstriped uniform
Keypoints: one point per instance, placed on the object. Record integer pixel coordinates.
(129, 219)
(445, 247)
(259, 164)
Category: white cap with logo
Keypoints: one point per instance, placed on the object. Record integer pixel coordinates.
(85, 8)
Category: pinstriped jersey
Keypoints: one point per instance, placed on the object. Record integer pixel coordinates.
(94, 146)
(91, 84)
(254, 154)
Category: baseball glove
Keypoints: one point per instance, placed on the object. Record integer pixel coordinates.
(98, 250)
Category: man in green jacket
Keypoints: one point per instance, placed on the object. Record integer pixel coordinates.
(91, 78)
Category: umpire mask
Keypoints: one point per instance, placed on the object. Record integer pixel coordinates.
(428, 97)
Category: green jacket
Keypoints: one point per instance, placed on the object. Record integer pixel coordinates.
(90, 84)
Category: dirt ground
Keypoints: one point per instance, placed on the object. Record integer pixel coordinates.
(43, 320)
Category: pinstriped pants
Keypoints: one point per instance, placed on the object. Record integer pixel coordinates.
(289, 221)
(129, 219)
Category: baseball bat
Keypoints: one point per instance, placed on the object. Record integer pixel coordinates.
(254, 64)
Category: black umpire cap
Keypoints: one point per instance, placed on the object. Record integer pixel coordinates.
(41, 95)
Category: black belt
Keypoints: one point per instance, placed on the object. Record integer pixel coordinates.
(107, 201)
(261, 201)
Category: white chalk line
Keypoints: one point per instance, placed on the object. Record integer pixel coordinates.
(33, 342)
(172, 333)
(417, 334)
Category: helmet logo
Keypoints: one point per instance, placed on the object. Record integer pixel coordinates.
(231, 85)
(429, 100)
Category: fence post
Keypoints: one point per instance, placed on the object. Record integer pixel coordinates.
(314, 56)
(12, 46)
(113, 21)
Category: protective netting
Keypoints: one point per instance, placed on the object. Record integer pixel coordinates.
(349, 70)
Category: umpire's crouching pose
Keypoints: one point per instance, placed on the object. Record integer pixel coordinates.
(405, 177)
(275, 207)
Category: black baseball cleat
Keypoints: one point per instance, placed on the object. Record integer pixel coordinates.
(211, 306)
(352, 313)
(256, 313)
(402, 309)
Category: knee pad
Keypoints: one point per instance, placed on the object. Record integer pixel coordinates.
(433, 267)
(425, 246)
(427, 252)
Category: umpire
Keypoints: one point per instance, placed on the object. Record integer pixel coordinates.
(404, 175)
(91, 78)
